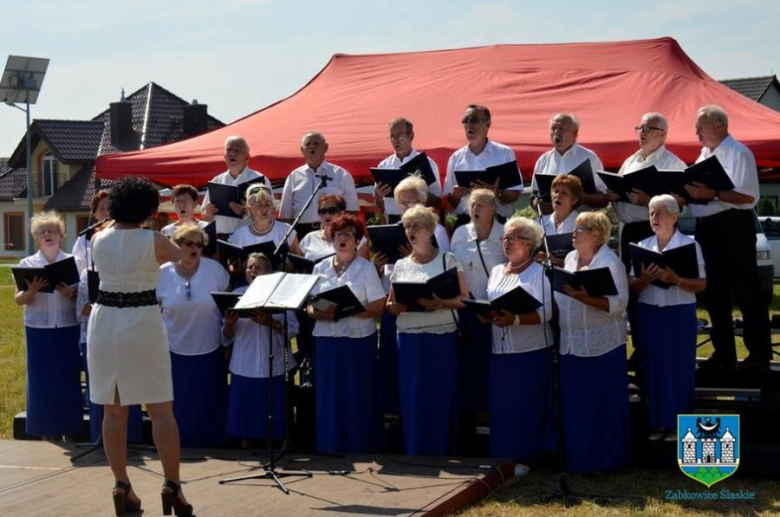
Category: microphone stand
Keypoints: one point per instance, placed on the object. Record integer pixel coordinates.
(321, 185)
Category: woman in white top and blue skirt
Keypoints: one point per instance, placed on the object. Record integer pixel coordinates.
(477, 246)
(427, 342)
(520, 382)
(411, 191)
(54, 401)
(594, 380)
(194, 324)
(248, 401)
(667, 323)
(345, 356)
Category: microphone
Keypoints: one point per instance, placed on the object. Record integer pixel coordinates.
(324, 180)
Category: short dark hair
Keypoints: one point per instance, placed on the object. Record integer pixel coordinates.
(348, 221)
(408, 126)
(481, 108)
(99, 195)
(180, 190)
(133, 200)
(332, 198)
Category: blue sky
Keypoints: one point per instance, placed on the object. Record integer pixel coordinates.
(240, 55)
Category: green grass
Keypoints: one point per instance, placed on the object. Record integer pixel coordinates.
(13, 367)
(637, 492)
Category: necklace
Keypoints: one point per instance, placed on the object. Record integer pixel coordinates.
(261, 232)
(341, 268)
(509, 268)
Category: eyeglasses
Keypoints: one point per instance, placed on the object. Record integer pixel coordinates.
(471, 119)
(397, 136)
(511, 239)
(333, 210)
(646, 129)
(414, 227)
(188, 286)
(336, 235)
(48, 231)
(193, 244)
(580, 229)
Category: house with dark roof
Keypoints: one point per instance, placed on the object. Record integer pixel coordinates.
(764, 90)
(64, 154)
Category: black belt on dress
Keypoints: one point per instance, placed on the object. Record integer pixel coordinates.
(123, 300)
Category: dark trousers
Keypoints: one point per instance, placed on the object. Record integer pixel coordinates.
(302, 229)
(728, 243)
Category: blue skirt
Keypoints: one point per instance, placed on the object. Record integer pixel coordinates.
(345, 389)
(596, 421)
(200, 397)
(247, 415)
(427, 379)
(474, 363)
(134, 420)
(388, 365)
(520, 401)
(55, 405)
(668, 337)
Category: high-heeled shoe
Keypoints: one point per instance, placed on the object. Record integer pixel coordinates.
(171, 501)
(121, 502)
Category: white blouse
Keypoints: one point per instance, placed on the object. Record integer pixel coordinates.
(518, 338)
(48, 310)
(193, 325)
(553, 227)
(464, 247)
(653, 295)
(434, 322)
(314, 245)
(585, 330)
(82, 252)
(362, 279)
(168, 230)
(244, 236)
(442, 241)
(250, 346)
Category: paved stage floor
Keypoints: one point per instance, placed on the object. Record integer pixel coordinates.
(38, 479)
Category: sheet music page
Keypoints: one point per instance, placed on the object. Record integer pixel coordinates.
(260, 291)
(292, 291)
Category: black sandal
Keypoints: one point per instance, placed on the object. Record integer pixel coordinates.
(171, 501)
(121, 503)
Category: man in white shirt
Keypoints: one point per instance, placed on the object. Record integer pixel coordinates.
(236, 157)
(565, 156)
(303, 182)
(634, 216)
(401, 135)
(479, 154)
(726, 233)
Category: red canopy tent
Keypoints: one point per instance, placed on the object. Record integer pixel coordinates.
(608, 85)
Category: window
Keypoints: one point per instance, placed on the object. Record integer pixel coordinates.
(13, 226)
(49, 175)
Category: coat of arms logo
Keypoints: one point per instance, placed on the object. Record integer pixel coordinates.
(708, 446)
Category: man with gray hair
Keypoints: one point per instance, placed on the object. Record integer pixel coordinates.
(726, 233)
(304, 180)
(634, 216)
(401, 135)
(237, 159)
(565, 156)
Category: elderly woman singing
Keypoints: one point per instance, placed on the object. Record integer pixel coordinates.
(427, 341)
(666, 323)
(520, 387)
(594, 380)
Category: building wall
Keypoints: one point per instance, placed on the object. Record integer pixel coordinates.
(771, 98)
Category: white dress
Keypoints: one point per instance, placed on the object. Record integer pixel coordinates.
(127, 348)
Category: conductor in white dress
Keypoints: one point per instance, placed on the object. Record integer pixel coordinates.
(127, 344)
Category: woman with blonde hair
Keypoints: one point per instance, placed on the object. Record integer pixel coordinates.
(194, 325)
(427, 341)
(54, 402)
(594, 380)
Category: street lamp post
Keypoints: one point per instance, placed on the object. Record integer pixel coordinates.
(21, 83)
